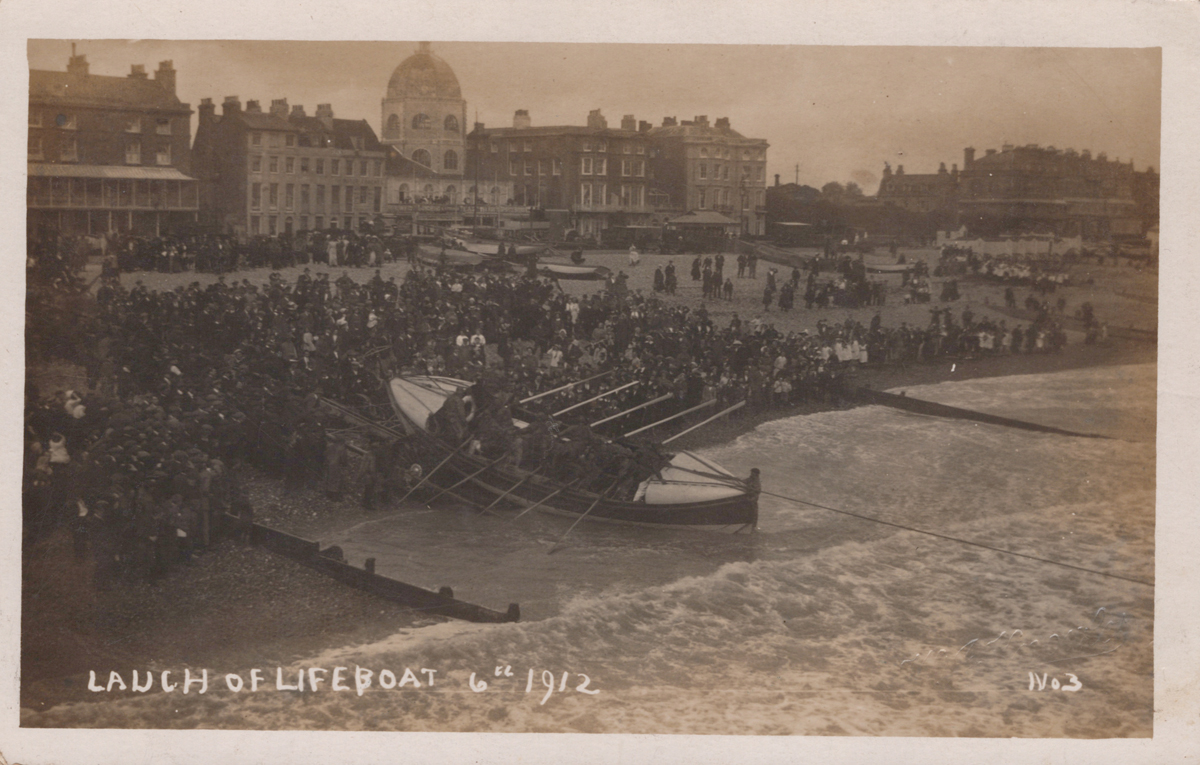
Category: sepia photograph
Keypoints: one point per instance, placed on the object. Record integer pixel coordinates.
(777, 391)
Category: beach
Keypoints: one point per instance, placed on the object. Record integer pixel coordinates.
(269, 610)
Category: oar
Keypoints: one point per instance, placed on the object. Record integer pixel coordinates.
(524, 478)
(612, 486)
(491, 464)
(546, 498)
(535, 397)
(435, 469)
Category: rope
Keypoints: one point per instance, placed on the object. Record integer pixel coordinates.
(961, 541)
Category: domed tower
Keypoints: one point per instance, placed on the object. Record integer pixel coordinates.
(424, 113)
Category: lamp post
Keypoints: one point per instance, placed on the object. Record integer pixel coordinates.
(743, 219)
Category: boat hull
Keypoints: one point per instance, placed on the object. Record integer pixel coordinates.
(694, 492)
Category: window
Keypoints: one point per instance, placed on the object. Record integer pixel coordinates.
(601, 166)
(65, 121)
(272, 223)
(318, 222)
(378, 198)
(587, 145)
(403, 193)
(349, 167)
(255, 224)
(641, 149)
(627, 149)
(349, 198)
(133, 125)
(758, 175)
(639, 168)
(133, 153)
(304, 164)
(35, 118)
(421, 157)
(362, 195)
(275, 139)
(702, 171)
(256, 163)
(273, 195)
(362, 168)
(320, 199)
(585, 166)
(450, 124)
(585, 194)
(745, 154)
(255, 196)
(745, 201)
(162, 126)
(746, 172)
(289, 140)
(625, 195)
(256, 139)
(304, 223)
(289, 164)
(450, 160)
(378, 168)
(289, 196)
(529, 167)
(626, 167)
(495, 148)
(725, 172)
(703, 151)
(273, 164)
(701, 198)
(35, 147)
(599, 193)
(601, 147)
(528, 146)
(303, 200)
(164, 155)
(422, 122)
(760, 198)
(514, 166)
(392, 128)
(556, 166)
(320, 167)
(335, 166)
(452, 195)
(335, 197)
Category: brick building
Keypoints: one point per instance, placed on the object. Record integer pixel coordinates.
(702, 166)
(282, 170)
(108, 154)
(592, 176)
(1031, 189)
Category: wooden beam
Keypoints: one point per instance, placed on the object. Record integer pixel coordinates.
(651, 402)
(595, 398)
(535, 397)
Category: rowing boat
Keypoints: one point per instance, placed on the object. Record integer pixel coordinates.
(691, 491)
(566, 271)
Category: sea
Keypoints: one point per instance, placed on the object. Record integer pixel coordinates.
(1016, 601)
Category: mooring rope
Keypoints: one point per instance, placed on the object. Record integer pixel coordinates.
(960, 541)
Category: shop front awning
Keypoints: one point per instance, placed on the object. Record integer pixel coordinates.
(113, 172)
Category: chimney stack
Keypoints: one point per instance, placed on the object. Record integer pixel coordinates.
(298, 112)
(644, 126)
(231, 106)
(253, 107)
(207, 110)
(279, 107)
(165, 76)
(325, 114)
(722, 123)
(77, 65)
(628, 123)
(942, 169)
(669, 122)
(776, 179)
(596, 120)
(968, 157)
(521, 119)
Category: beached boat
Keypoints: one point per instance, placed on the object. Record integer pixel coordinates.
(888, 268)
(571, 271)
(692, 491)
(451, 258)
(493, 248)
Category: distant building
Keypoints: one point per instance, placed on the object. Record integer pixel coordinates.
(1032, 189)
(283, 171)
(698, 166)
(919, 193)
(591, 176)
(108, 154)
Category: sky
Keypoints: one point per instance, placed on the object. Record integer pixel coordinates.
(830, 113)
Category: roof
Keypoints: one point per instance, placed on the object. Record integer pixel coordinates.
(702, 218)
(692, 130)
(552, 130)
(423, 75)
(122, 172)
(101, 90)
(338, 136)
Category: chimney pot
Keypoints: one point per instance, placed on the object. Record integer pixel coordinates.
(253, 107)
(298, 111)
(137, 72)
(231, 105)
(279, 107)
(165, 76)
(521, 119)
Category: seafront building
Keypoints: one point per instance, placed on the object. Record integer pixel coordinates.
(109, 154)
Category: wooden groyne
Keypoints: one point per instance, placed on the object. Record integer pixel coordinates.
(917, 406)
(330, 562)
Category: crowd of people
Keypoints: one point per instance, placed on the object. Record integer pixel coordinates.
(188, 385)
